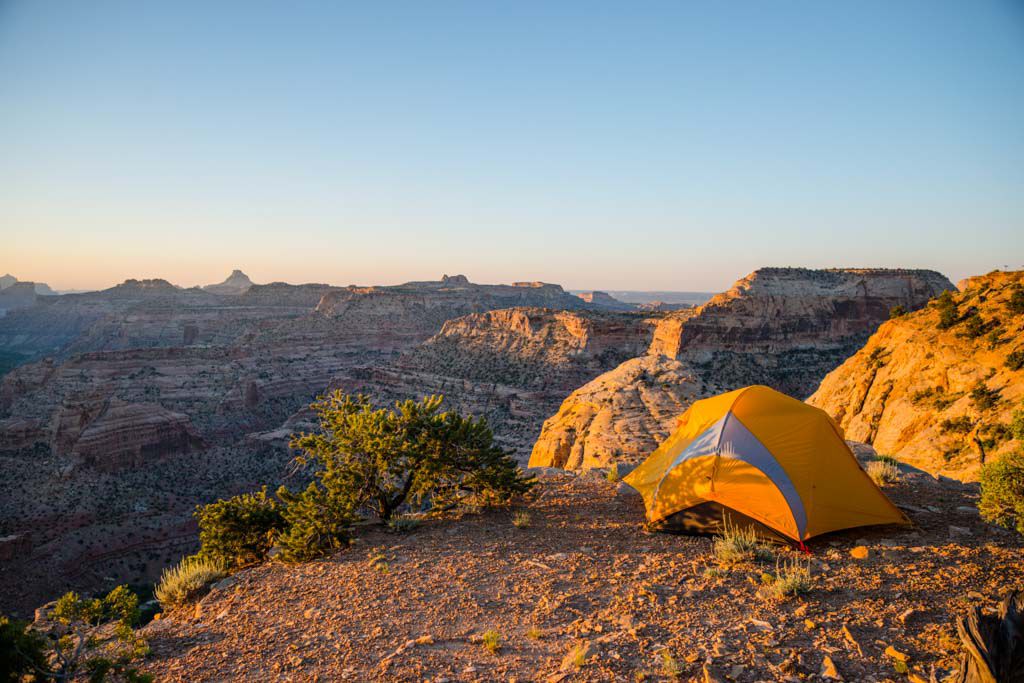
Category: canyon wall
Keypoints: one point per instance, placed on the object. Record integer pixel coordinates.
(941, 398)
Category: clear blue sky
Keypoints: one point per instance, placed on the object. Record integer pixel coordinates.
(640, 145)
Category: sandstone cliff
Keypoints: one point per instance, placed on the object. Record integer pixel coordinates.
(782, 327)
(620, 417)
(938, 398)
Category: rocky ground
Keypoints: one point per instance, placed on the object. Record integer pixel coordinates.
(584, 594)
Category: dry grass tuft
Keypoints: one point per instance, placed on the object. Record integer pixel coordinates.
(883, 471)
(521, 519)
(791, 577)
(738, 544)
(491, 641)
(179, 584)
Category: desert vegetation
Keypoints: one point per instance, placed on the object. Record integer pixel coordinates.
(364, 462)
(80, 639)
(1002, 491)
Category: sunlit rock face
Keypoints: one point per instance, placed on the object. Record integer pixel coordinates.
(913, 391)
(619, 417)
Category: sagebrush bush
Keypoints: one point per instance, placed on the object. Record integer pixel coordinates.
(237, 531)
(739, 544)
(883, 472)
(186, 580)
(1002, 491)
(1015, 360)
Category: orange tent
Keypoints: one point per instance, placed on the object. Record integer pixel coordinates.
(758, 456)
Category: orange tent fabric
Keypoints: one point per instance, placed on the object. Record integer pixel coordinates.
(772, 458)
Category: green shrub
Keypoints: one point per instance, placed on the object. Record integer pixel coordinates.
(1016, 301)
(1002, 491)
(984, 398)
(670, 666)
(974, 326)
(995, 338)
(380, 460)
(1017, 425)
(317, 523)
(22, 652)
(791, 577)
(612, 475)
(186, 580)
(521, 519)
(948, 313)
(241, 530)
(919, 397)
(491, 641)
(956, 425)
(97, 639)
(897, 312)
(1015, 360)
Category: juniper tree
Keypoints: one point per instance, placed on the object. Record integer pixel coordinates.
(378, 460)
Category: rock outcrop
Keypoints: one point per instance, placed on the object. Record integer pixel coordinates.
(620, 417)
(938, 398)
(40, 288)
(18, 295)
(235, 284)
(787, 327)
(134, 434)
(782, 327)
(605, 300)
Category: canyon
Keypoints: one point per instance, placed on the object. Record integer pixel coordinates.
(131, 405)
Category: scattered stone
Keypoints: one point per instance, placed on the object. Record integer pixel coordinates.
(860, 552)
(829, 670)
(896, 654)
(851, 640)
(905, 616)
(959, 531)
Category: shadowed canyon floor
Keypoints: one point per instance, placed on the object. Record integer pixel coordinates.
(585, 594)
